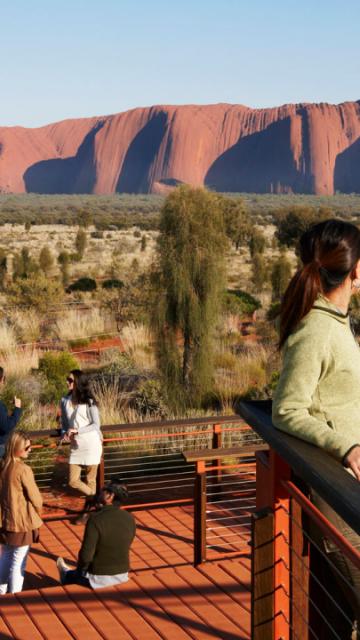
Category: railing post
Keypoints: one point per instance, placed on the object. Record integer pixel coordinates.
(216, 444)
(279, 471)
(271, 495)
(262, 575)
(200, 514)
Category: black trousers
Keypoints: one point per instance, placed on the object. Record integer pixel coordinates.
(74, 576)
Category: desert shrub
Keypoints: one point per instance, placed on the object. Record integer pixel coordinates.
(239, 302)
(112, 283)
(35, 291)
(55, 367)
(28, 388)
(82, 284)
(80, 243)
(149, 399)
(137, 233)
(98, 235)
(24, 265)
(46, 260)
(280, 276)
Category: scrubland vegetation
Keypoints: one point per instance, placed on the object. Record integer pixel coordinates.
(168, 303)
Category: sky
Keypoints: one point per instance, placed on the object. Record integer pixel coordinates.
(77, 58)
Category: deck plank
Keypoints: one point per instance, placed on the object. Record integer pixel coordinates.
(165, 598)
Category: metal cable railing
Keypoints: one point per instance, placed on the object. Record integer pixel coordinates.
(305, 552)
(146, 456)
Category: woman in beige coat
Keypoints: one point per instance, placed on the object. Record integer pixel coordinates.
(20, 507)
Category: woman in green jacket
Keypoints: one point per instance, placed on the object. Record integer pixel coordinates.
(318, 395)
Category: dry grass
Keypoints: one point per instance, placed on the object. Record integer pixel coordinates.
(7, 338)
(80, 324)
(230, 324)
(27, 325)
(20, 361)
(250, 370)
(113, 402)
(138, 343)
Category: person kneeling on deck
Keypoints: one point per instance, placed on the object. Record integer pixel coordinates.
(103, 559)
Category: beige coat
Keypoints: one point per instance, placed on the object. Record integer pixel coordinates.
(20, 499)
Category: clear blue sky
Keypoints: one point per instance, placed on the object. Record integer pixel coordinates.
(77, 58)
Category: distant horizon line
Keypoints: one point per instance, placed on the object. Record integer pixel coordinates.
(176, 105)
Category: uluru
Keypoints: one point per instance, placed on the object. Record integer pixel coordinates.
(295, 148)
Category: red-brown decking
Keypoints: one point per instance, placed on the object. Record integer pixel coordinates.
(166, 597)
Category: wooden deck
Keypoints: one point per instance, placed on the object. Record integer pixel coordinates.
(166, 597)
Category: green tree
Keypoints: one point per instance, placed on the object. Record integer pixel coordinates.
(280, 276)
(80, 243)
(27, 225)
(257, 242)
(3, 268)
(85, 218)
(55, 367)
(292, 223)
(64, 260)
(36, 290)
(188, 286)
(143, 243)
(46, 260)
(238, 226)
(259, 271)
(24, 265)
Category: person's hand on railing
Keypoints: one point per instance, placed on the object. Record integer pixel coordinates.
(352, 460)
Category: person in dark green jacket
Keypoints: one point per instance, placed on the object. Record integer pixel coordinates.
(318, 394)
(103, 559)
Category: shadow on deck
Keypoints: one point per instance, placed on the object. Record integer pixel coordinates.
(165, 598)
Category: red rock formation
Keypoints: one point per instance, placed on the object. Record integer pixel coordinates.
(304, 148)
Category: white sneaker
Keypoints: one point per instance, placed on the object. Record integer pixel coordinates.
(63, 568)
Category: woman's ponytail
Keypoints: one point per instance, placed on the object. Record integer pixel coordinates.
(299, 298)
(329, 252)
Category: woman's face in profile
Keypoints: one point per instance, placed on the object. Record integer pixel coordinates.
(70, 381)
(24, 450)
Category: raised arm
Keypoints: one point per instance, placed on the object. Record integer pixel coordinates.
(8, 423)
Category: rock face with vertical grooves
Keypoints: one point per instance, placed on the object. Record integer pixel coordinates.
(300, 148)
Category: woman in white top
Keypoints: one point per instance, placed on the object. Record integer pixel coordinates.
(81, 424)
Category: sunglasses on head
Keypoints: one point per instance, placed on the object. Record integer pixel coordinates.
(69, 380)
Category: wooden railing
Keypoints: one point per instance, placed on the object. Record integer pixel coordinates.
(290, 600)
(146, 455)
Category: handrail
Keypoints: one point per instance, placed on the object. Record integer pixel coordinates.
(236, 452)
(144, 426)
(318, 469)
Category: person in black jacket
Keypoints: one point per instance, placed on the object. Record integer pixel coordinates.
(7, 423)
(103, 559)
